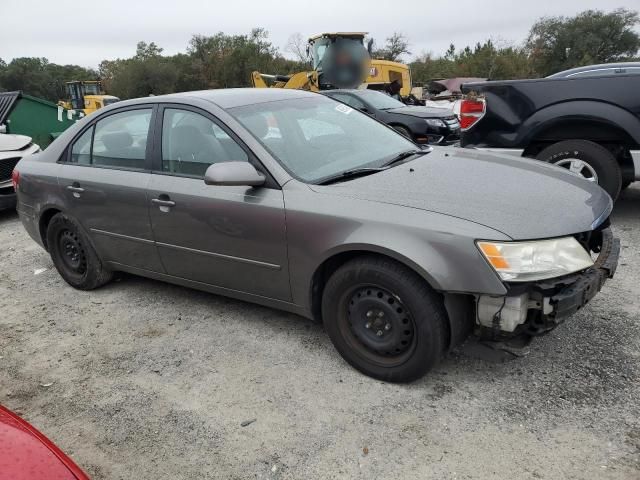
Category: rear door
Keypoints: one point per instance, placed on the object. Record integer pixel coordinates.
(228, 236)
(105, 175)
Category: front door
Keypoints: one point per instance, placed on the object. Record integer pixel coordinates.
(229, 237)
(105, 177)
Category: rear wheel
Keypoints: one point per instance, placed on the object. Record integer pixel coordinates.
(587, 159)
(73, 256)
(384, 319)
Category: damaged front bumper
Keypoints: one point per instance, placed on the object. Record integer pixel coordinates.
(537, 307)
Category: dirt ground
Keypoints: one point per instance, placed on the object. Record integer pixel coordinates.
(144, 380)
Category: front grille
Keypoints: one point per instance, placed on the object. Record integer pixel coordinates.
(6, 167)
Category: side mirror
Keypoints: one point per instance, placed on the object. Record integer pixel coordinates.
(233, 174)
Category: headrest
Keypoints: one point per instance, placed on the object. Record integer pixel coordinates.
(117, 140)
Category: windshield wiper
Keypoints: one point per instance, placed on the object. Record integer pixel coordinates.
(403, 156)
(359, 172)
(356, 172)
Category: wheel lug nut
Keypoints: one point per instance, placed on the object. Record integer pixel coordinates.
(370, 313)
(387, 326)
(380, 314)
(379, 333)
(367, 325)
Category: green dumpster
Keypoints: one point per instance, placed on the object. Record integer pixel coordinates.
(39, 119)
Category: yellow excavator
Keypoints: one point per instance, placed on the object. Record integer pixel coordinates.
(86, 96)
(341, 60)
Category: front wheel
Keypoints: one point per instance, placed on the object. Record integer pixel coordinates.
(384, 319)
(73, 255)
(587, 159)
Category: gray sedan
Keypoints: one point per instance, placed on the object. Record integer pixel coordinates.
(295, 201)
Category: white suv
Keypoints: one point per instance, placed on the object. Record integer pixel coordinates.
(12, 149)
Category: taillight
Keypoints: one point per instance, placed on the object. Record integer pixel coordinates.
(15, 178)
(471, 111)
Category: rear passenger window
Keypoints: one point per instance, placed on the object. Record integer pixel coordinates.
(81, 151)
(120, 140)
(191, 142)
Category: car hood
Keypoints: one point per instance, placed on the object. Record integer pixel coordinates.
(422, 112)
(9, 143)
(521, 198)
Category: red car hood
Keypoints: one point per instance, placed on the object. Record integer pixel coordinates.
(26, 454)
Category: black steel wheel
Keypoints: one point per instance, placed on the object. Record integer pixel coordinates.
(384, 319)
(73, 255)
(379, 325)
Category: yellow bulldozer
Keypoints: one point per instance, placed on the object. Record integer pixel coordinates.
(86, 96)
(341, 60)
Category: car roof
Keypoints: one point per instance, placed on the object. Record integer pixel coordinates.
(229, 97)
(602, 66)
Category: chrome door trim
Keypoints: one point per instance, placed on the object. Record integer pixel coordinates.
(120, 235)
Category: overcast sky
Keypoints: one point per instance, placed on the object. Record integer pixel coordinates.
(85, 33)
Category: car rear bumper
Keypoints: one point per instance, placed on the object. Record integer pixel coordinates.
(538, 307)
(7, 200)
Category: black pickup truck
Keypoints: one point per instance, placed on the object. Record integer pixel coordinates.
(586, 120)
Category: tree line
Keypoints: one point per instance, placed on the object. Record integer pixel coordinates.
(222, 60)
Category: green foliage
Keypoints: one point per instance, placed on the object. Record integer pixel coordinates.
(484, 60)
(218, 61)
(559, 43)
(37, 77)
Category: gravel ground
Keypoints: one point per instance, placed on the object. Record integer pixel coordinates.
(146, 380)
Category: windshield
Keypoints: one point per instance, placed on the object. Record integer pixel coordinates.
(379, 100)
(91, 88)
(319, 48)
(317, 138)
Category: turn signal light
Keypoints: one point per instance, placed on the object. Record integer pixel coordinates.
(15, 178)
(492, 253)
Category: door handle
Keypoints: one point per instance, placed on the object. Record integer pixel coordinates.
(75, 189)
(163, 203)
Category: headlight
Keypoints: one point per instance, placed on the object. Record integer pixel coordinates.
(434, 122)
(537, 260)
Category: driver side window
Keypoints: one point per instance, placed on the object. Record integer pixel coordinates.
(191, 142)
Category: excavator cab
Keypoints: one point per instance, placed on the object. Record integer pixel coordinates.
(340, 59)
(75, 94)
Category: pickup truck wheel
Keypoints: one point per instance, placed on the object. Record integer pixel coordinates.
(587, 159)
(73, 256)
(384, 319)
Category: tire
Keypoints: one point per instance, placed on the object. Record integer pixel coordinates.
(73, 255)
(403, 131)
(402, 344)
(595, 159)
